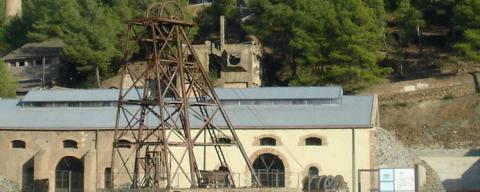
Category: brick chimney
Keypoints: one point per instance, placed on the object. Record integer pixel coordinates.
(13, 8)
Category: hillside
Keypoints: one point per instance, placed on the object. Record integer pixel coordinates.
(439, 123)
(435, 112)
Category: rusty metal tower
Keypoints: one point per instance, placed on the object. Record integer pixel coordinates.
(156, 120)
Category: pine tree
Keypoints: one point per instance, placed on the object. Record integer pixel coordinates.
(324, 41)
(8, 84)
(467, 22)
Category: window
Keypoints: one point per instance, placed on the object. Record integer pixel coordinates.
(107, 104)
(234, 59)
(263, 102)
(38, 62)
(18, 144)
(299, 101)
(123, 144)
(224, 140)
(59, 104)
(70, 144)
(312, 171)
(282, 102)
(89, 104)
(108, 177)
(13, 64)
(247, 102)
(38, 104)
(313, 141)
(268, 141)
(318, 101)
(48, 61)
(21, 63)
(73, 104)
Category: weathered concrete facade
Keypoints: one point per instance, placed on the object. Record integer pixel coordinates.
(234, 65)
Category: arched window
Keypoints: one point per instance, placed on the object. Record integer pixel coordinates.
(70, 144)
(312, 171)
(313, 141)
(268, 141)
(224, 140)
(123, 144)
(18, 144)
(108, 177)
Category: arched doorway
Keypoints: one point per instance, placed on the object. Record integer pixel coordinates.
(270, 170)
(69, 175)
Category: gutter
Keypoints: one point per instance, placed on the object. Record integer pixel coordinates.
(221, 127)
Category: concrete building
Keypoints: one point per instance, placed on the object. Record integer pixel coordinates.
(233, 65)
(35, 65)
(57, 139)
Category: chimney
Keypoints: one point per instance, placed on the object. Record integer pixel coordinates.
(13, 8)
(222, 32)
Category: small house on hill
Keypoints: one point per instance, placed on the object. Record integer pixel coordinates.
(35, 65)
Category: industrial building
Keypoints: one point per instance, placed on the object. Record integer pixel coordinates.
(62, 139)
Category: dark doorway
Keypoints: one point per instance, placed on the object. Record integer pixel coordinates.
(27, 176)
(270, 170)
(69, 175)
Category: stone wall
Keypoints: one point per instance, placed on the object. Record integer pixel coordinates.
(391, 153)
(426, 89)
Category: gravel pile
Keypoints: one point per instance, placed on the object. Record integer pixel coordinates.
(8, 186)
(391, 153)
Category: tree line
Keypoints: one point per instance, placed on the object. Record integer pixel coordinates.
(306, 42)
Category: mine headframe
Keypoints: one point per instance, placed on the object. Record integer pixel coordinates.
(164, 92)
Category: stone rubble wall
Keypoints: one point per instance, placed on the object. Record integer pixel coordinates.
(8, 186)
(426, 89)
(392, 154)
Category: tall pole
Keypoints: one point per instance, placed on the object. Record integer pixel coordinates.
(222, 33)
(13, 8)
(43, 74)
(97, 75)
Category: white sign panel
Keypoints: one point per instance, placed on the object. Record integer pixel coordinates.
(404, 179)
(386, 177)
(386, 174)
(393, 180)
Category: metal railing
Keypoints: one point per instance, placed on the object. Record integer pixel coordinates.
(181, 180)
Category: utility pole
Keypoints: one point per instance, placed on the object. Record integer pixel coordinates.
(97, 75)
(419, 36)
(43, 74)
(222, 33)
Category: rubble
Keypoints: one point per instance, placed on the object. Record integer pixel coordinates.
(392, 153)
(8, 186)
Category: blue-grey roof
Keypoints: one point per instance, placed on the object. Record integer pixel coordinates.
(354, 111)
(74, 95)
(223, 93)
(280, 93)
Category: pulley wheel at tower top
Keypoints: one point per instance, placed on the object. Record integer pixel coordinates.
(167, 9)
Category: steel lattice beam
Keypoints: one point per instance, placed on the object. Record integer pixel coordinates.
(175, 91)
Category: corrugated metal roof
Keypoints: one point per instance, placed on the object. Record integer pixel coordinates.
(280, 93)
(354, 111)
(76, 95)
(71, 95)
(223, 93)
(49, 48)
